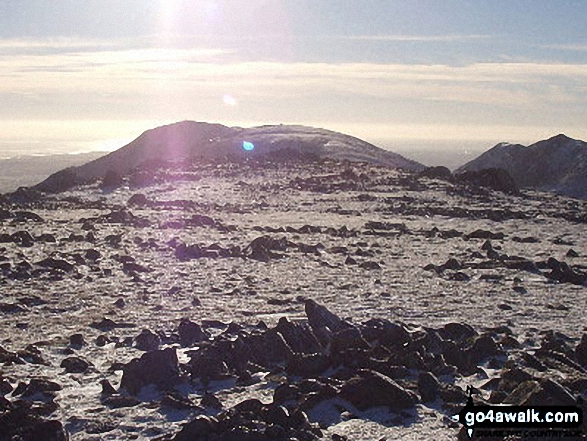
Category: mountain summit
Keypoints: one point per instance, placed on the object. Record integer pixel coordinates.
(557, 164)
(194, 141)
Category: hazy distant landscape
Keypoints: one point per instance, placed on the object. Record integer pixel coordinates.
(24, 171)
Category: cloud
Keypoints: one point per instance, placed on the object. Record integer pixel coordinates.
(125, 79)
(566, 47)
(410, 38)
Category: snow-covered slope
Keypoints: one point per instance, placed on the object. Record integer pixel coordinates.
(557, 164)
(190, 140)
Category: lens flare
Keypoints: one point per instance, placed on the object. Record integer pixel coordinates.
(229, 100)
(248, 146)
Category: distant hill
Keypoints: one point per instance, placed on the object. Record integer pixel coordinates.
(203, 141)
(23, 171)
(558, 164)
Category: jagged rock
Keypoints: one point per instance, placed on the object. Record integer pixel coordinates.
(307, 365)
(107, 388)
(545, 392)
(190, 333)
(483, 347)
(370, 265)
(345, 339)
(563, 273)
(263, 248)
(385, 332)
(209, 364)
(372, 389)
(581, 351)
(58, 264)
(211, 401)
(199, 428)
(298, 336)
(147, 341)
(263, 349)
(158, 367)
(320, 317)
(428, 386)
(22, 423)
(37, 386)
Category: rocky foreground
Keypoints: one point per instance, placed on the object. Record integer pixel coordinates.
(271, 301)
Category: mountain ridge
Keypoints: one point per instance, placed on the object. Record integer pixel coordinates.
(557, 164)
(192, 140)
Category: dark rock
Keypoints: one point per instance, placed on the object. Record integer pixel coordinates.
(156, 367)
(581, 351)
(452, 264)
(483, 347)
(494, 178)
(210, 401)
(102, 340)
(307, 365)
(11, 308)
(572, 253)
(107, 324)
(119, 401)
(437, 172)
(107, 388)
(563, 273)
(299, 336)
(37, 386)
(139, 200)
(457, 332)
(320, 317)
(428, 386)
(77, 340)
(543, 392)
(345, 339)
(190, 333)
(484, 234)
(199, 428)
(372, 389)
(147, 341)
(263, 248)
(58, 264)
(176, 401)
(23, 238)
(370, 265)
(25, 216)
(75, 365)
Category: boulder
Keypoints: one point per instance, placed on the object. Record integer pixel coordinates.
(190, 333)
(158, 367)
(147, 341)
(372, 389)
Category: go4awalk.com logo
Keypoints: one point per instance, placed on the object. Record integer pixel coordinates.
(507, 417)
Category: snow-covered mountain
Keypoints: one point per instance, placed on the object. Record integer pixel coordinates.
(190, 140)
(558, 164)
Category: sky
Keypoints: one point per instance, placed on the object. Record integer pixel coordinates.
(94, 74)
